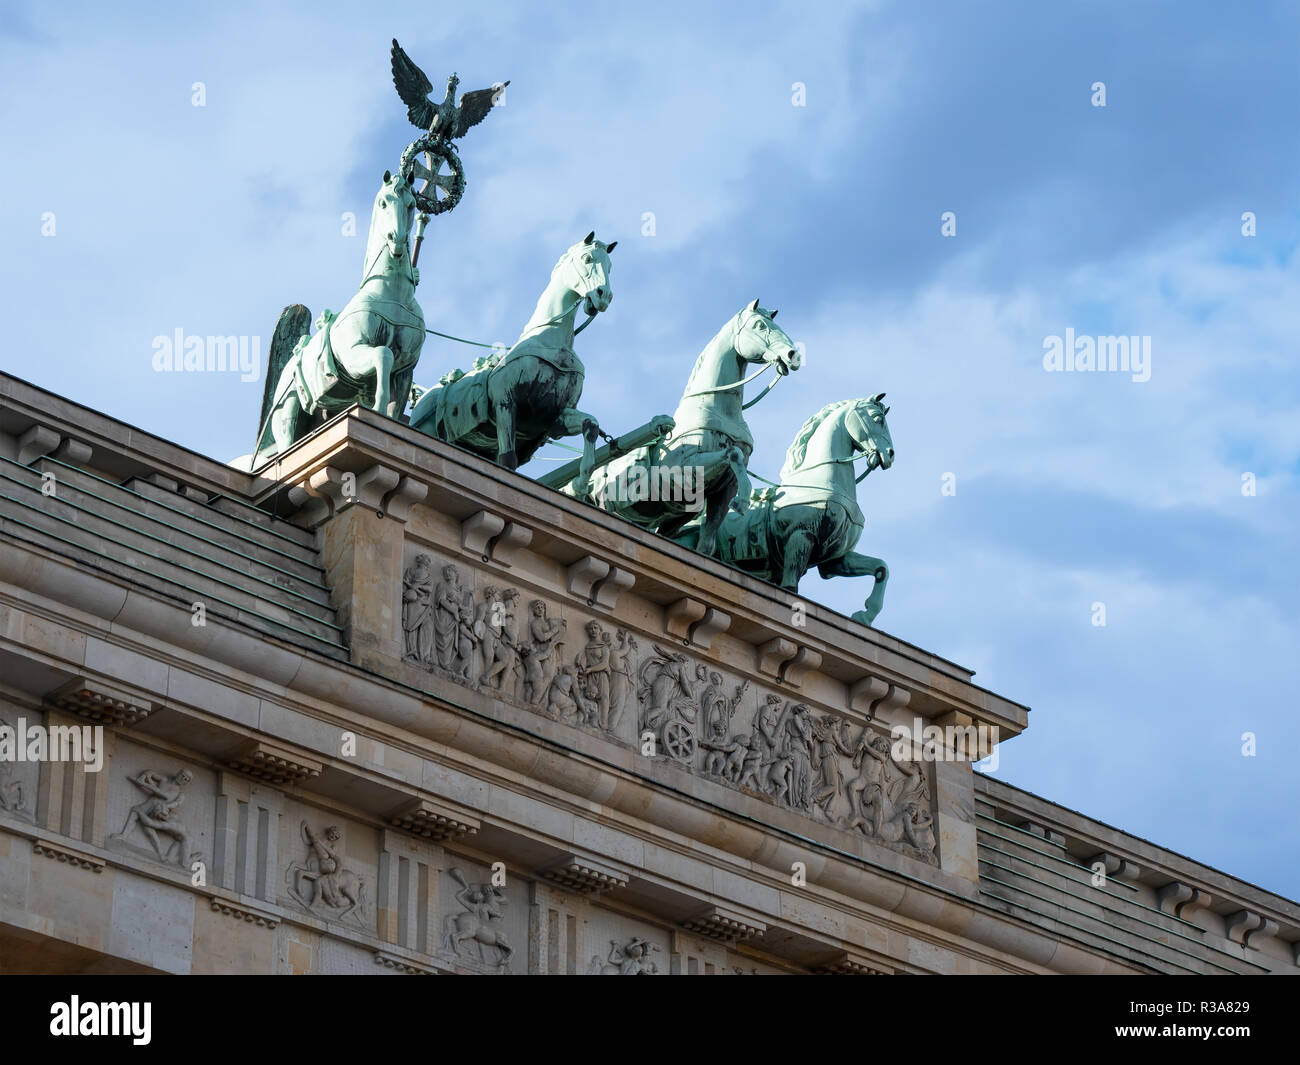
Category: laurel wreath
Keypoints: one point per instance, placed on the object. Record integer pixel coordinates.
(437, 150)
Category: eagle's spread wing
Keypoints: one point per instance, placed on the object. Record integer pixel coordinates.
(413, 87)
(474, 107)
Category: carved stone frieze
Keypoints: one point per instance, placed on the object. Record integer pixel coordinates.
(156, 817)
(630, 958)
(687, 712)
(791, 756)
(515, 652)
(13, 798)
(480, 924)
(321, 884)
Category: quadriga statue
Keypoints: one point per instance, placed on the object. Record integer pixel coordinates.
(813, 518)
(505, 409)
(364, 354)
(710, 439)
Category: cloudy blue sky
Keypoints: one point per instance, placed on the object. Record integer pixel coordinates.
(1071, 489)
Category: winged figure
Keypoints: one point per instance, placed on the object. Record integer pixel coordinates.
(445, 120)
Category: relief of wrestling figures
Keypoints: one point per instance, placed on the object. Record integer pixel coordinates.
(760, 743)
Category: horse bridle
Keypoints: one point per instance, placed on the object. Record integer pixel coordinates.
(410, 270)
(586, 276)
(767, 365)
(835, 462)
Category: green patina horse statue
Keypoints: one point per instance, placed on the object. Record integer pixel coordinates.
(813, 518)
(710, 441)
(366, 353)
(505, 409)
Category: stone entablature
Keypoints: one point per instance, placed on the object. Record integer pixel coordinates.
(663, 704)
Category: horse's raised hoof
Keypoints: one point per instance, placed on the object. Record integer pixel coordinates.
(868, 616)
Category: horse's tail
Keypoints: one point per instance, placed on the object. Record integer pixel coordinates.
(294, 324)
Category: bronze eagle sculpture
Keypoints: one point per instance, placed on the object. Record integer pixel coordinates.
(446, 121)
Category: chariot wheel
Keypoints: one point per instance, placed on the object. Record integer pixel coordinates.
(442, 189)
(679, 740)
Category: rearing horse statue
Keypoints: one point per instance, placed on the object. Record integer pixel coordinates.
(710, 437)
(813, 518)
(366, 353)
(505, 409)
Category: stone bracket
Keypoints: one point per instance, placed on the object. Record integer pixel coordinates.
(871, 695)
(694, 623)
(681, 615)
(101, 703)
(372, 487)
(773, 655)
(610, 588)
(1245, 925)
(63, 853)
(599, 582)
(433, 820)
(1043, 832)
(1117, 868)
(380, 488)
(581, 577)
(804, 661)
(724, 925)
(512, 539)
(39, 441)
(785, 661)
(241, 911)
(1180, 899)
(274, 763)
(584, 875)
(317, 497)
(478, 530)
(492, 538)
(398, 503)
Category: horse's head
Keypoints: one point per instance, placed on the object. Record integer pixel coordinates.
(760, 339)
(865, 422)
(390, 220)
(585, 270)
